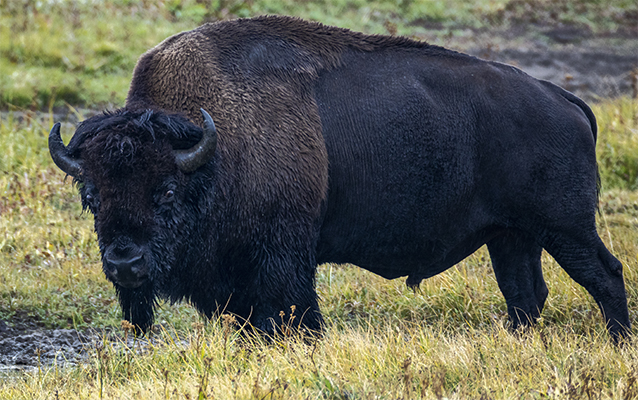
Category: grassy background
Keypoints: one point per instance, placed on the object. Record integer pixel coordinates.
(82, 52)
(382, 341)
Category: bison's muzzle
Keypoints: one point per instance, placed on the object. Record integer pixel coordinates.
(126, 267)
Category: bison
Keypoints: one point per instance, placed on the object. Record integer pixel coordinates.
(329, 145)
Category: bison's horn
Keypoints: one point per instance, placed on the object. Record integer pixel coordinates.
(60, 154)
(191, 159)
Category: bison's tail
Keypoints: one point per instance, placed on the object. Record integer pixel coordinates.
(594, 129)
(583, 106)
(590, 116)
(572, 98)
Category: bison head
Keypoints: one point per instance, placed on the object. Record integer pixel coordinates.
(134, 171)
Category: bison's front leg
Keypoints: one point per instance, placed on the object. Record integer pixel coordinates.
(137, 306)
(284, 299)
(516, 259)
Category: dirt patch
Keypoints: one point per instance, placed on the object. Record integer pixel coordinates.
(591, 73)
(24, 347)
(27, 347)
(593, 66)
(591, 76)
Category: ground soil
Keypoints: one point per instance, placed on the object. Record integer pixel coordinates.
(594, 66)
(28, 346)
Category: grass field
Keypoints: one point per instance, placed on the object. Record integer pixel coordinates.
(383, 341)
(82, 53)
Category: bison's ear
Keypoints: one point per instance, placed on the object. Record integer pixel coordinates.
(60, 154)
(191, 159)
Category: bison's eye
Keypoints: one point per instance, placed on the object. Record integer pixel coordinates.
(90, 198)
(165, 197)
(91, 201)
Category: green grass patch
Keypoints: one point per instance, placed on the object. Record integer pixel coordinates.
(82, 53)
(618, 142)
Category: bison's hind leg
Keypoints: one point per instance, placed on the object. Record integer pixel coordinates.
(516, 259)
(588, 262)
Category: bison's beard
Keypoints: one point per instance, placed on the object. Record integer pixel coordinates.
(138, 305)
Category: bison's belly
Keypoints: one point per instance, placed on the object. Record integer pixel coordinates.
(401, 250)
